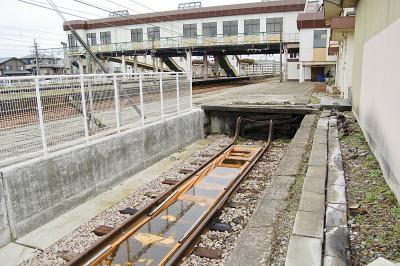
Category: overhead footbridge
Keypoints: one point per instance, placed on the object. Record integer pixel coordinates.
(251, 28)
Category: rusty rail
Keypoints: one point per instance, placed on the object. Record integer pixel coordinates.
(92, 255)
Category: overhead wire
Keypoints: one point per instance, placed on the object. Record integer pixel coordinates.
(29, 36)
(71, 14)
(29, 29)
(68, 8)
(133, 10)
(168, 16)
(23, 41)
(100, 8)
(49, 8)
(105, 9)
(151, 9)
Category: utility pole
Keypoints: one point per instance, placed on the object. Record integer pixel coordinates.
(36, 57)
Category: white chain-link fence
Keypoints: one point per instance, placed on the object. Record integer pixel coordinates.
(45, 113)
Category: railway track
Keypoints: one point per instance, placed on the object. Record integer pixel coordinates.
(166, 230)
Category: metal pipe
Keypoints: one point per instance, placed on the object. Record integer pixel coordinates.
(84, 112)
(40, 113)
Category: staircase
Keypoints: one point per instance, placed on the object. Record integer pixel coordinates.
(226, 65)
(171, 63)
(132, 63)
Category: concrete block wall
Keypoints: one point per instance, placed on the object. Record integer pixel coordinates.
(35, 192)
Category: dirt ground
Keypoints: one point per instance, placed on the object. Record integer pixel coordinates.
(374, 213)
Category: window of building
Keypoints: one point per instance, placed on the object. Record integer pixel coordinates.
(137, 35)
(190, 30)
(274, 25)
(210, 29)
(105, 37)
(153, 33)
(320, 38)
(20, 68)
(8, 67)
(251, 26)
(230, 28)
(91, 38)
(72, 41)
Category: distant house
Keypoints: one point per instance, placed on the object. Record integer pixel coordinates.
(48, 65)
(12, 66)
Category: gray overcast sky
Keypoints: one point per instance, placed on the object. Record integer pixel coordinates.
(21, 22)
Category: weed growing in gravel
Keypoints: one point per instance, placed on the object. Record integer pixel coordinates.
(376, 231)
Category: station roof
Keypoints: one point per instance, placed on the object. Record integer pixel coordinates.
(41, 56)
(5, 59)
(311, 20)
(203, 12)
(340, 25)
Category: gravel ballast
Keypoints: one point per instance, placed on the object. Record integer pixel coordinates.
(259, 177)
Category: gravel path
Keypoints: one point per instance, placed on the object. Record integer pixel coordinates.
(284, 225)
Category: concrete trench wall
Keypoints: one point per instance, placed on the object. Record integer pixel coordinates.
(223, 119)
(33, 193)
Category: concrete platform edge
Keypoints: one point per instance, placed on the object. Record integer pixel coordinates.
(271, 203)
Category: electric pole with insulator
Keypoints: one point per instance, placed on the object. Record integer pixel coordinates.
(36, 57)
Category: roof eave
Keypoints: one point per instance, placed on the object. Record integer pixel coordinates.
(333, 8)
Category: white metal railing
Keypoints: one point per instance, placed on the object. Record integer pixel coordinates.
(198, 41)
(40, 114)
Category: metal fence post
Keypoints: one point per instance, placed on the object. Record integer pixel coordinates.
(84, 112)
(190, 91)
(116, 97)
(40, 112)
(141, 97)
(161, 96)
(177, 93)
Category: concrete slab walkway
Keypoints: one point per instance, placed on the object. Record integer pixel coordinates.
(254, 246)
(259, 93)
(320, 233)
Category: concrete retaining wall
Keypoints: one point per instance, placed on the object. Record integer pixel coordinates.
(36, 191)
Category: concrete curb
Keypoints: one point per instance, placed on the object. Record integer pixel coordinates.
(337, 245)
(254, 245)
(305, 243)
(320, 234)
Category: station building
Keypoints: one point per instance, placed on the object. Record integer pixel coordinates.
(211, 33)
(220, 36)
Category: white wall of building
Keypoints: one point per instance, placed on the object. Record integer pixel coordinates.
(379, 100)
(307, 73)
(293, 70)
(307, 45)
(345, 65)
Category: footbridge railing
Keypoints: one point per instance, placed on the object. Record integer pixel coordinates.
(198, 41)
(41, 114)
